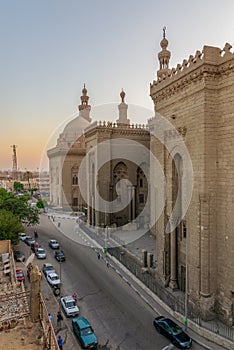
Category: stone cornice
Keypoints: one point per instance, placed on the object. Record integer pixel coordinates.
(117, 129)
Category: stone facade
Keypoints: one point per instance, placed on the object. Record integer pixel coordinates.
(121, 141)
(65, 158)
(197, 97)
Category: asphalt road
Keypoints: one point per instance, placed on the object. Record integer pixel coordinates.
(118, 315)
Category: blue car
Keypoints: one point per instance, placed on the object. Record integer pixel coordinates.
(84, 332)
(173, 332)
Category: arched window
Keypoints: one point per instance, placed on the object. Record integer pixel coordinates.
(75, 180)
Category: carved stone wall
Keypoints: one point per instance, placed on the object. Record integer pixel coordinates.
(197, 97)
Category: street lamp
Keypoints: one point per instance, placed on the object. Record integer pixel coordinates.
(186, 284)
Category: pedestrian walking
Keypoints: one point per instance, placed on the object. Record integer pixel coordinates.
(74, 296)
(107, 263)
(60, 342)
(98, 256)
(50, 317)
(59, 320)
(35, 234)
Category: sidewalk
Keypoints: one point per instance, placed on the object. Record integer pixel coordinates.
(69, 227)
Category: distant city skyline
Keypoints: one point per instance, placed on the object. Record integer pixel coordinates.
(49, 49)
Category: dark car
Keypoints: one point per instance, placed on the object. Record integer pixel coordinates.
(173, 332)
(84, 332)
(19, 256)
(59, 255)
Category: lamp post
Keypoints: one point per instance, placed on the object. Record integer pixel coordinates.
(105, 227)
(186, 284)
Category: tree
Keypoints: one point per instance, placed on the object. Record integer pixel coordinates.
(19, 206)
(10, 226)
(42, 204)
(18, 186)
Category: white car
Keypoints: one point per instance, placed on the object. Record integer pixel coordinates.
(69, 306)
(47, 269)
(53, 279)
(22, 236)
(53, 244)
(40, 253)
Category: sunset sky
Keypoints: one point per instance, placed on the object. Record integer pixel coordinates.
(50, 48)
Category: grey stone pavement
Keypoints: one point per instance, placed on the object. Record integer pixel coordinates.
(69, 226)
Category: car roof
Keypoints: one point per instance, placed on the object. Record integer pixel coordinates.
(47, 264)
(53, 240)
(82, 322)
(52, 274)
(19, 270)
(68, 298)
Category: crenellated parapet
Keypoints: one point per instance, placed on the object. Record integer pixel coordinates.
(211, 62)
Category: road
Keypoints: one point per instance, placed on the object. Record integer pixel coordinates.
(117, 313)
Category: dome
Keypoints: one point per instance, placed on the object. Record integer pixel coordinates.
(73, 130)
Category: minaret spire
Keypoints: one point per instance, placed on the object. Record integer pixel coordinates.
(164, 56)
(84, 107)
(123, 111)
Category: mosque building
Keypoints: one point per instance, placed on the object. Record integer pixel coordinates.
(194, 146)
(197, 99)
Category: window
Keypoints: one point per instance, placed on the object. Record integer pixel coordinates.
(184, 229)
(75, 180)
(141, 198)
(141, 182)
(75, 202)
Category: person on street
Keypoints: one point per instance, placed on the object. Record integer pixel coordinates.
(50, 317)
(74, 296)
(60, 342)
(59, 320)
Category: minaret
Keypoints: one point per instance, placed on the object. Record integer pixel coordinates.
(84, 107)
(14, 166)
(164, 57)
(123, 111)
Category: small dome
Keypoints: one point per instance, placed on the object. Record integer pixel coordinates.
(122, 95)
(164, 43)
(84, 90)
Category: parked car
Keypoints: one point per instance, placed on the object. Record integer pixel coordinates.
(48, 268)
(35, 246)
(29, 240)
(22, 236)
(20, 276)
(69, 306)
(173, 332)
(53, 279)
(84, 332)
(19, 256)
(40, 253)
(59, 255)
(53, 244)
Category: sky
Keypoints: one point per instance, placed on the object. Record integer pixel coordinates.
(50, 48)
